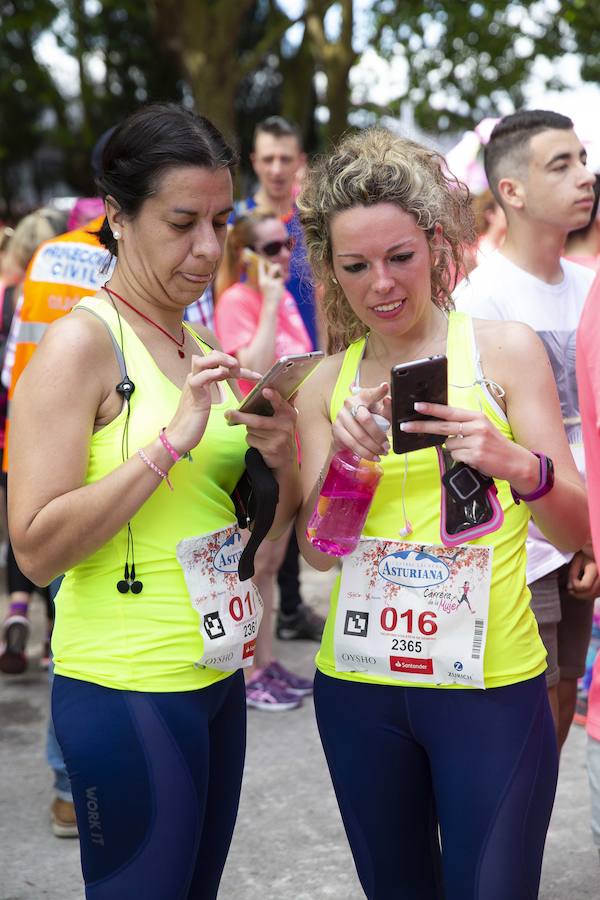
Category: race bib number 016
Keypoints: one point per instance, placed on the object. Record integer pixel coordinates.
(414, 613)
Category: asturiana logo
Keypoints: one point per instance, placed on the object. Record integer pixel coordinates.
(228, 555)
(413, 568)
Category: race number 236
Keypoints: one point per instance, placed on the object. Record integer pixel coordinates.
(390, 620)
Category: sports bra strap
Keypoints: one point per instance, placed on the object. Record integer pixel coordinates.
(117, 349)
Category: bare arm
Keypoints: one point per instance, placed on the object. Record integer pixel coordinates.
(260, 352)
(55, 519)
(514, 356)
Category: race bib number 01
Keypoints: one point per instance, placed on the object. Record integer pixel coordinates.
(230, 610)
(414, 613)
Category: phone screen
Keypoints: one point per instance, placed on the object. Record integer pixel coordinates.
(421, 381)
(285, 376)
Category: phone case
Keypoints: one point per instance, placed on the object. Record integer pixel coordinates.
(425, 381)
(285, 376)
(251, 265)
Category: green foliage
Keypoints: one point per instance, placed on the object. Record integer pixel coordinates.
(465, 60)
(234, 59)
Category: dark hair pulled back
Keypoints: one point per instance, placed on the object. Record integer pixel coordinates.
(155, 138)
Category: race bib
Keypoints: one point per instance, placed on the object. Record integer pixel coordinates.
(413, 612)
(230, 610)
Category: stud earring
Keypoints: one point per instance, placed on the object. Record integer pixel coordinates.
(116, 235)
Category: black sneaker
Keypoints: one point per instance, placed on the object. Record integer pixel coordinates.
(302, 625)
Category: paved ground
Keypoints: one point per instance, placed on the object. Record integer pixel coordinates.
(288, 844)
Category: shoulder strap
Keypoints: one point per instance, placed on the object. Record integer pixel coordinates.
(117, 349)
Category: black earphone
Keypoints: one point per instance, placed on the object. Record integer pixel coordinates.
(125, 388)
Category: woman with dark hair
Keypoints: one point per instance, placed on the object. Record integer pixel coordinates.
(123, 469)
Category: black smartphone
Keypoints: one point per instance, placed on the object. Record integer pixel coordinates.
(285, 376)
(420, 381)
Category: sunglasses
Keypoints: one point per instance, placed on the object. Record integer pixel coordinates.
(273, 248)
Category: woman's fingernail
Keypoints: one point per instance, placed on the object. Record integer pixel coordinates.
(404, 426)
(386, 447)
(420, 406)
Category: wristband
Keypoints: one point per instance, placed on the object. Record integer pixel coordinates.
(154, 468)
(175, 456)
(545, 484)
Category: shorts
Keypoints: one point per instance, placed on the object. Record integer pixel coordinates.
(565, 625)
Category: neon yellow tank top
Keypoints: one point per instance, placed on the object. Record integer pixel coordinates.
(148, 641)
(514, 651)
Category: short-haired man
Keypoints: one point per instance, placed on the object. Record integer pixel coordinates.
(277, 159)
(536, 168)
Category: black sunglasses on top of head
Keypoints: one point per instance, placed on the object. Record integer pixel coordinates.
(273, 248)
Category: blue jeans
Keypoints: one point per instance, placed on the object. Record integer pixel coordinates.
(54, 755)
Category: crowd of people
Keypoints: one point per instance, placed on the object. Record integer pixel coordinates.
(460, 620)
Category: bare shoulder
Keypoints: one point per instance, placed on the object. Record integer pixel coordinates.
(508, 349)
(506, 341)
(318, 389)
(76, 349)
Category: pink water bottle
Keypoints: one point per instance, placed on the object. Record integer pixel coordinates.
(337, 521)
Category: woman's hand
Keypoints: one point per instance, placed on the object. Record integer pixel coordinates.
(271, 284)
(356, 430)
(474, 440)
(274, 436)
(187, 426)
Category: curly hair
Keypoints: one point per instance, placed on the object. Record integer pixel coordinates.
(371, 167)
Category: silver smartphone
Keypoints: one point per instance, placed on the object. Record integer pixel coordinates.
(284, 376)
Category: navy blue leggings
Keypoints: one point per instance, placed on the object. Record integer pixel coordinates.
(479, 765)
(156, 782)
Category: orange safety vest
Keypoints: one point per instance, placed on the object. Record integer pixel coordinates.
(61, 272)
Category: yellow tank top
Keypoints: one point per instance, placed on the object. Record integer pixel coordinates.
(148, 641)
(514, 651)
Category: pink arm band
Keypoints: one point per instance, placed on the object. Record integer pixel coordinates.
(171, 449)
(154, 468)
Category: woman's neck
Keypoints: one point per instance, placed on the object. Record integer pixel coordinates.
(426, 338)
(156, 306)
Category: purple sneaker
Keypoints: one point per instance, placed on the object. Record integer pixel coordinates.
(264, 692)
(295, 684)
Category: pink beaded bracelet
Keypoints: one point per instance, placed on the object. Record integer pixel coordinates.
(175, 456)
(154, 468)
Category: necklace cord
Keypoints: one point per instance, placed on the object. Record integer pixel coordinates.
(179, 344)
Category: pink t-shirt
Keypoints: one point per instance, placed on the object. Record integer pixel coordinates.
(588, 385)
(237, 314)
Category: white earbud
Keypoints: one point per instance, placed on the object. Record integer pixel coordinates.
(408, 529)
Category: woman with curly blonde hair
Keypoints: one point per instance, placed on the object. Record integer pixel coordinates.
(433, 713)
